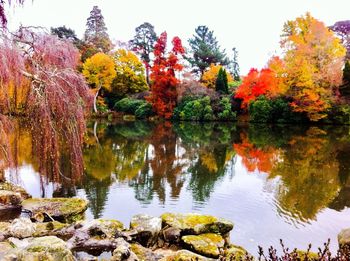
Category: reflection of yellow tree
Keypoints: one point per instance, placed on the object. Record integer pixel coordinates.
(309, 173)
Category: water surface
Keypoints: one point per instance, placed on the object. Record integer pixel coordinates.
(272, 181)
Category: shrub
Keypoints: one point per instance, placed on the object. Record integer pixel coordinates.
(260, 110)
(273, 110)
(226, 113)
(194, 108)
(144, 111)
(128, 105)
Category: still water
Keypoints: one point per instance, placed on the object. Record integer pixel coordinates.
(272, 181)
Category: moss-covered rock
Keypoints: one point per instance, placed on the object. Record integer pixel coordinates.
(14, 188)
(103, 228)
(61, 209)
(143, 253)
(10, 198)
(344, 237)
(234, 252)
(146, 227)
(196, 223)
(185, 255)
(205, 244)
(303, 255)
(42, 248)
(52, 228)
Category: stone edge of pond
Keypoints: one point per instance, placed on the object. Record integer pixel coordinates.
(55, 229)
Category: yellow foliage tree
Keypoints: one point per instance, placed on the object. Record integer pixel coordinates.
(130, 71)
(313, 60)
(99, 71)
(210, 75)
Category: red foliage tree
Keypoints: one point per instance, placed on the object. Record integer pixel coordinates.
(163, 89)
(258, 83)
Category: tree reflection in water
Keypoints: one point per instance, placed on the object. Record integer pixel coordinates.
(309, 166)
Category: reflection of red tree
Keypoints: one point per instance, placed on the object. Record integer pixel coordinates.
(261, 159)
(165, 165)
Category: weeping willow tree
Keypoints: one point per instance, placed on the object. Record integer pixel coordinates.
(38, 79)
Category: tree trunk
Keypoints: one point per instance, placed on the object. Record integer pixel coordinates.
(147, 75)
(95, 99)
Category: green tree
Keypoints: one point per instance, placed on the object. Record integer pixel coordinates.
(345, 88)
(143, 44)
(221, 84)
(234, 66)
(66, 33)
(205, 50)
(96, 32)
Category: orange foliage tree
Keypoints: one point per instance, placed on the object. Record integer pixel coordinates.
(313, 59)
(163, 89)
(258, 83)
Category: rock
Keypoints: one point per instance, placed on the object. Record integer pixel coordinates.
(143, 253)
(196, 223)
(96, 236)
(5, 247)
(303, 255)
(123, 252)
(344, 237)
(103, 228)
(65, 210)
(172, 234)
(185, 255)
(14, 188)
(42, 248)
(147, 228)
(4, 230)
(19, 243)
(234, 252)
(10, 198)
(205, 244)
(54, 228)
(22, 228)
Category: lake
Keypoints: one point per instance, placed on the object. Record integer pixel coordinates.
(273, 182)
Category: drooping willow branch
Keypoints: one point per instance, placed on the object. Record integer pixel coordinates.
(57, 96)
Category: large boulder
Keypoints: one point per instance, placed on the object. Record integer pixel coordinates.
(65, 210)
(208, 244)
(147, 228)
(185, 255)
(43, 248)
(197, 224)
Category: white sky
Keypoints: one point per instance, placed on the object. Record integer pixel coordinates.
(252, 26)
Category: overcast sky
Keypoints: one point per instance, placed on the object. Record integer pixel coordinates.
(252, 26)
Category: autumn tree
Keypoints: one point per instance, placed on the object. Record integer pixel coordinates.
(96, 38)
(313, 59)
(205, 50)
(99, 71)
(163, 89)
(342, 30)
(143, 44)
(57, 96)
(258, 83)
(130, 73)
(210, 75)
